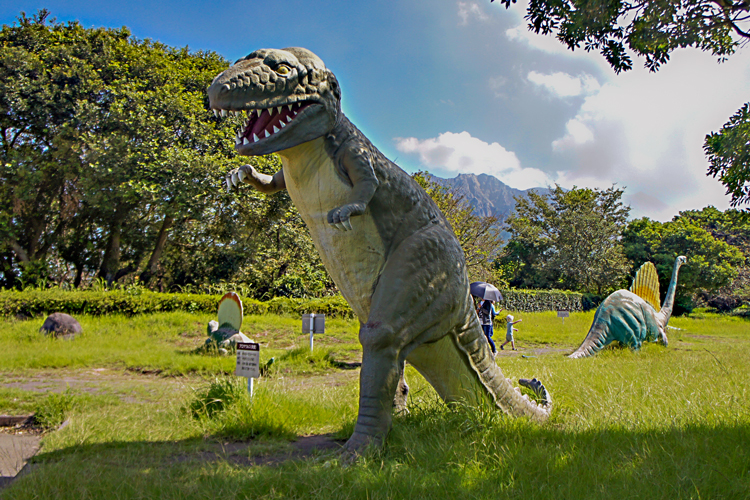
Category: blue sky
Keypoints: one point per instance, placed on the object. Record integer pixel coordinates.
(462, 87)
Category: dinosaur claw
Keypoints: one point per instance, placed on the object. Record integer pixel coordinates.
(235, 178)
(241, 175)
(347, 224)
(229, 184)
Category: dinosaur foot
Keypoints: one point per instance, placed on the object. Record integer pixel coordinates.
(358, 446)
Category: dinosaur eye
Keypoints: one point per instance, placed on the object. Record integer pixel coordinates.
(283, 69)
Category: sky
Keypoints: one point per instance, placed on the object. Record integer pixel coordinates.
(463, 87)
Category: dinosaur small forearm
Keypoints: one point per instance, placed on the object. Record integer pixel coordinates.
(265, 183)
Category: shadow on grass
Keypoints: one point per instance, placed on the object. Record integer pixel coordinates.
(423, 459)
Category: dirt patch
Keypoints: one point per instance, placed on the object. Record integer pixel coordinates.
(236, 452)
(533, 351)
(129, 387)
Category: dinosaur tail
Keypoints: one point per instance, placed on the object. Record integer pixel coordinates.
(595, 340)
(506, 397)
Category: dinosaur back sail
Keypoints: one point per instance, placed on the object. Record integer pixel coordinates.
(646, 284)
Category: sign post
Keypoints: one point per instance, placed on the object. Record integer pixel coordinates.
(313, 323)
(563, 315)
(248, 363)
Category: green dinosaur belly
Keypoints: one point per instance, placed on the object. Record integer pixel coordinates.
(355, 258)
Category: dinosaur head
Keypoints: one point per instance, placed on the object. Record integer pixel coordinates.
(288, 96)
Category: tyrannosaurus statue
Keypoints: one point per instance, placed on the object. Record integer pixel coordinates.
(630, 316)
(385, 243)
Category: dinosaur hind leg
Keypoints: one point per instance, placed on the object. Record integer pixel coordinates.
(414, 302)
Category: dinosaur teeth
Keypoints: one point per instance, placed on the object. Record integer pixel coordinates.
(216, 112)
(255, 137)
(275, 129)
(288, 119)
(278, 109)
(245, 141)
(267, 134)
(282, 124)
(223, 113)
(289, 106)
(258, 111)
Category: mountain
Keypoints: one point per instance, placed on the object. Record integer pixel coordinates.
(487, 194)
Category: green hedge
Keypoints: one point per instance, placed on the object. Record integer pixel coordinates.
(541, 300)
(42, 302)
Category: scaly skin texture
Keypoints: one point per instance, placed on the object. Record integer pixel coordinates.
(628, 319)
(385, 243)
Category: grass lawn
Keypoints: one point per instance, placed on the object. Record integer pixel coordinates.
(150, 418)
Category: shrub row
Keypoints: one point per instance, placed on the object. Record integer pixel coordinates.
(42, 302)
(541, 300)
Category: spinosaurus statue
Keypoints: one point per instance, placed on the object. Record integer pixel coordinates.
(629, 316)
(387, 246)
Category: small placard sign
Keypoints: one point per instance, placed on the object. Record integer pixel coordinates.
(313, 323)
(248, 360)
(563, 314)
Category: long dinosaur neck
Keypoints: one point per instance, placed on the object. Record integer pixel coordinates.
(666, 308)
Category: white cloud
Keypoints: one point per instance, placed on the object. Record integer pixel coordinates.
(564, 85)
(453, 154)
(577, 133)
(470, 9)
(645, 131)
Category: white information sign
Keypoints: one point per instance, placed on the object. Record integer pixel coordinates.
(563, 314)
(248, 360)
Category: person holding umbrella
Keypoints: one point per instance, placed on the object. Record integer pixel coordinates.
(486, 308)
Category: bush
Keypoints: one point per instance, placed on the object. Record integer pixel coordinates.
(541, 300)
(30, 303)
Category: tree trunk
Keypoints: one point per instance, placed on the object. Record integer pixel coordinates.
(79, 275)
(111, 259)
(161, 241)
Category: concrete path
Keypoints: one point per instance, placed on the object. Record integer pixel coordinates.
(15, 451)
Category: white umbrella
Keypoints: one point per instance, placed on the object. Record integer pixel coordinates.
(485, 291)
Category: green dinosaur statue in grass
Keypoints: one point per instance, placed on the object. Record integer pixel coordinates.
(630, 317)
(385, 243)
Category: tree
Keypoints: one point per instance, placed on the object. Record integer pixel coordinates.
(568, 239)
(712, 263)
(479, 236)
(733, 228)
(653, 29)
(728, 153)
(102, 136)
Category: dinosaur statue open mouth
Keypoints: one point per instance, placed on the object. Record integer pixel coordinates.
(265, 122)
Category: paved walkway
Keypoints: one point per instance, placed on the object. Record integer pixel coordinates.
(15, 451)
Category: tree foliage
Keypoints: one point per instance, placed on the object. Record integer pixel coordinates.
(567, 239)
(649, 28)
(712, 263)
(733, 228)
(112, 166)
(728, 153)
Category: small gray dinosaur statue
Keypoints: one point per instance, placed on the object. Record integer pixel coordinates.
(385, 243)
(629, 316)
